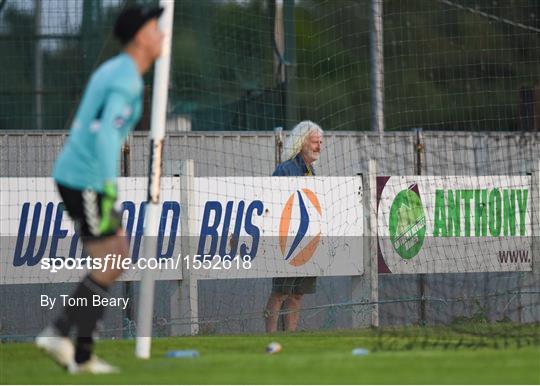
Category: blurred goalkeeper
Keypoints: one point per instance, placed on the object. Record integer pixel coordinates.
(301, 150)
(86, 172)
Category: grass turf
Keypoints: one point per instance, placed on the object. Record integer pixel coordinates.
(313, 358)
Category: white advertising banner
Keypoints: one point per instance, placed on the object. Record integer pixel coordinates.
(249, 227)
(282, 226)
(445, 224)
(35, 229)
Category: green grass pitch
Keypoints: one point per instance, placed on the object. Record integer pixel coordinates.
(307, 358)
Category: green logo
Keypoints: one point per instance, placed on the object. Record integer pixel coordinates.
(407, 224)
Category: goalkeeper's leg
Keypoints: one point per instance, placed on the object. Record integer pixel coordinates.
(85, 209)
(83, 319)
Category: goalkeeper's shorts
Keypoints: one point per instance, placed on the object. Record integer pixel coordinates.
(84, 208)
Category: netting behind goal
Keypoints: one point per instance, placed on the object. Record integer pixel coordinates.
(463, 299)
(453, 254)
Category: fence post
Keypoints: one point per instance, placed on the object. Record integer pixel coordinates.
(419, 148)
(535, 245)
(374, 257)
(278, 145)
(184, 299)
(366, 287)
(127, 316)
(535, 198)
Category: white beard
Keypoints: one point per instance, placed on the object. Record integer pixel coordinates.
(313, 155)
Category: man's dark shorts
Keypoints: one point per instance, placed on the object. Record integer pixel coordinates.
(84, 208)
(294, 285)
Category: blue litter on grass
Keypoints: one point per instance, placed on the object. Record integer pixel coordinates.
(360, 351)
(182, 354)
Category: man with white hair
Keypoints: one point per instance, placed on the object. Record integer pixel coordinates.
(302, 148)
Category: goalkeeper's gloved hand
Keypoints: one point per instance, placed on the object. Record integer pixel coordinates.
(110, 221)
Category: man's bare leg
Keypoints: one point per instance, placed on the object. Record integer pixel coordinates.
(273, 308)
(292, 309)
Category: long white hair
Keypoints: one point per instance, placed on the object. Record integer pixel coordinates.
(295, 140)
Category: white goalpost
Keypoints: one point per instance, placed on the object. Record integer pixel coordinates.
(157, 134)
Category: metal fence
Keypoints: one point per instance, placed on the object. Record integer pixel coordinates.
(229, 306)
